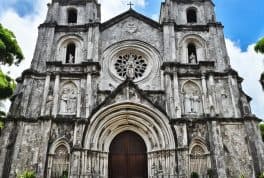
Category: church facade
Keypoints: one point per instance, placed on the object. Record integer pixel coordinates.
(131, 97)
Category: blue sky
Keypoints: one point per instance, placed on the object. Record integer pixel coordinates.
(243, 21)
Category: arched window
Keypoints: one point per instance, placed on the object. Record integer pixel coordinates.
(191, 15)
(199, 160)
(70, 53)
(60, 162)
(72, 16)
(192, 54)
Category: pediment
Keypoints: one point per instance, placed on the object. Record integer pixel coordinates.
(128, 91)
(128, 14)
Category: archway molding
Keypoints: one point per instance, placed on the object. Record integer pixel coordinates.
(152, 126)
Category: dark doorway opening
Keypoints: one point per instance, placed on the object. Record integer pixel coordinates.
(128, 156)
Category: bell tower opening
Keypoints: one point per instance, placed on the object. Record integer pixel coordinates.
(128, 156)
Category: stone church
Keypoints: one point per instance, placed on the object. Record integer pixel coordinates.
(131, 98)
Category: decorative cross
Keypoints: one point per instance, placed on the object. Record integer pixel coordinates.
(130, 4)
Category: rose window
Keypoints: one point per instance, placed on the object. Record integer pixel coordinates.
(130, 66)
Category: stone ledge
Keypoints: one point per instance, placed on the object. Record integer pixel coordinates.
(174, 121)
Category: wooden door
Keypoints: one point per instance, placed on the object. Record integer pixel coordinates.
(128, 156)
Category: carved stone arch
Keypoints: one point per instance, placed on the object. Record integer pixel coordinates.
(60, 141)
(59, 158)
(62, 44)
(192, 98)
(151, 125)
(110, 121)
(200, 142)
(199, 157)
(131, 48)
(68, 98)
(194, 83)
(198, 42)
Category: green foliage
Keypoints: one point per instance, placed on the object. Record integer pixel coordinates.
(7, 86)
(1, 125)
(242, 176)
(194, 175)
(64, 174)
(10, 52)
(27, 174)
(259, 47)
(261, 126)
(261, 175)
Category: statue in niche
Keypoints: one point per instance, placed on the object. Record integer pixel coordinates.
(68, 100)
(192, 58)
(71, 59)
(130, 68)
(192, 99)
(192, 102)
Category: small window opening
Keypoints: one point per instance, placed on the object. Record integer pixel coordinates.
(192, 55)
(70, 53)
(191, 16)
(72, 16)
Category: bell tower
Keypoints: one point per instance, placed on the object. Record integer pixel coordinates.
(73, 12)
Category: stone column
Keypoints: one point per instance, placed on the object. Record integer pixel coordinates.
(27, 84)
(96, 46)
(182, 150)
(232, 85)
(169, 96)
(56, 96)
(169, 42)
(90, 44)
(79, 95)
(217, 149)
(256, 145)
(75, 164)
(45, 95)
(204, 95)
(212, 97)
(89, 92)
(176, 92)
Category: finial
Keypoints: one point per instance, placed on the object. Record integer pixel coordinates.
(130, 4)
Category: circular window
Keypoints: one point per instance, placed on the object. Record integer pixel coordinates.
(130, 65)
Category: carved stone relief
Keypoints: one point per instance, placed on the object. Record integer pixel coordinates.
(192, 99)
(68, 99)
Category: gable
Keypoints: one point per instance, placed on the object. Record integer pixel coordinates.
(129, 92)
(125, 15)
(131, 26)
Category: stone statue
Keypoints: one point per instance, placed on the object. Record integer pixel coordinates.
(68, 101)
(130, 68)
(192, 58)
(71, 59)
(192, 102)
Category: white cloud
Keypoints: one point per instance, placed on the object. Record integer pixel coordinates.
(111, 8)
(249, 65)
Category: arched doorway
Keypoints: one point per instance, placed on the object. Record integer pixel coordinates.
(128, 156)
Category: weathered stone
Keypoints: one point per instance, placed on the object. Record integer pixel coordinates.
(170, 82)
